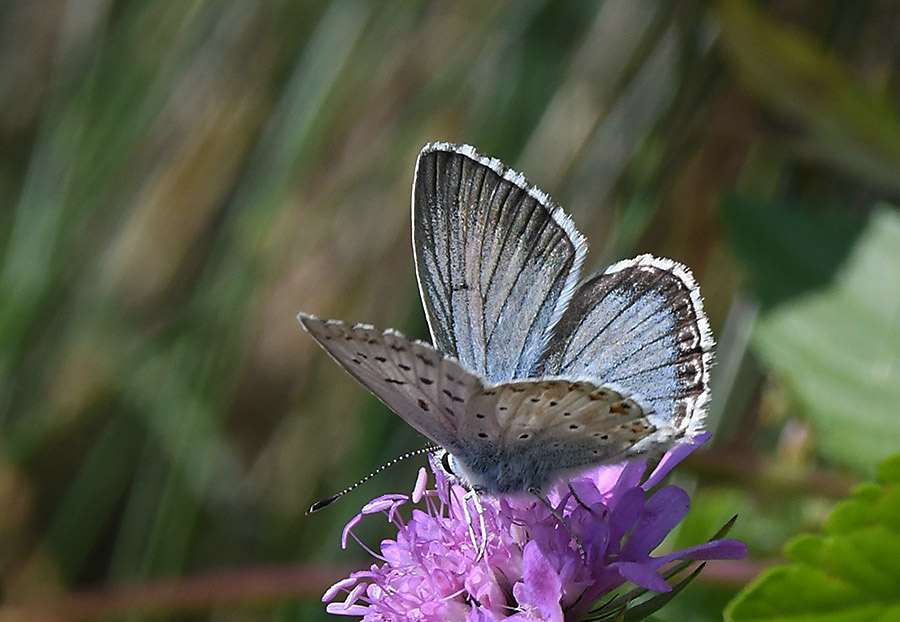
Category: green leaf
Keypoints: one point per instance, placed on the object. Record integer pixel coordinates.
(889, 470)
(851, 574)
(830, 323)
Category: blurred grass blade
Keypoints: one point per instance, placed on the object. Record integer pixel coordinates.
(789, 72)
(94, 493)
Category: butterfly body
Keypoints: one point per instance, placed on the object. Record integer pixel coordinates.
(532, 375)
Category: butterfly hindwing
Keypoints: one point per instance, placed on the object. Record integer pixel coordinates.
(640, 327)
(427, 389)
(496, 260)
(516, 435)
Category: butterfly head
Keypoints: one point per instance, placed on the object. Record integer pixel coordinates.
(453, 468)
(485, 476)
(482, 472)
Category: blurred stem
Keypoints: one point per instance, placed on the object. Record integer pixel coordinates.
(198, 593)
(746, 470)
(251, 585)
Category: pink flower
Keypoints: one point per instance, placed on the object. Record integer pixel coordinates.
(531, 568)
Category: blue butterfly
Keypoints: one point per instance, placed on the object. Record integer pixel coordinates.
(534, 374)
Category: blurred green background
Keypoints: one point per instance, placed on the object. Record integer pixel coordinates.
(179, 179)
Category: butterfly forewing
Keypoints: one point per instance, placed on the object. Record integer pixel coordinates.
(495, 258)
(427, 389)
(640, 327)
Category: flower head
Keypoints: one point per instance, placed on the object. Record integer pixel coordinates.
(528, 567)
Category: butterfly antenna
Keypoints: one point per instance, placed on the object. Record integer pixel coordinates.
(318, 505)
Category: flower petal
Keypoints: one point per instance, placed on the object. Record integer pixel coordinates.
(588, 492)
(726, 548)
(349, 607)
(385, 502)
(421, 483)
(661, 513)
(340, 609)
(353, 522)
(543, 588)
(672, 458)
(642, 575)
(629, 477)
(626, 509)
(343, 584)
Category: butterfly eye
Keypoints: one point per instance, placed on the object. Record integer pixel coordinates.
(445, 463)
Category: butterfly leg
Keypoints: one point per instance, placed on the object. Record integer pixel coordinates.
(479, 509)
(578, 499)
(561, 519)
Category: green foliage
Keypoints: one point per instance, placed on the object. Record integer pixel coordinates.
(851, 574)
(830, 322)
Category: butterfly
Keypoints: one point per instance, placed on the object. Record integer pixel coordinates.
(534, 374)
